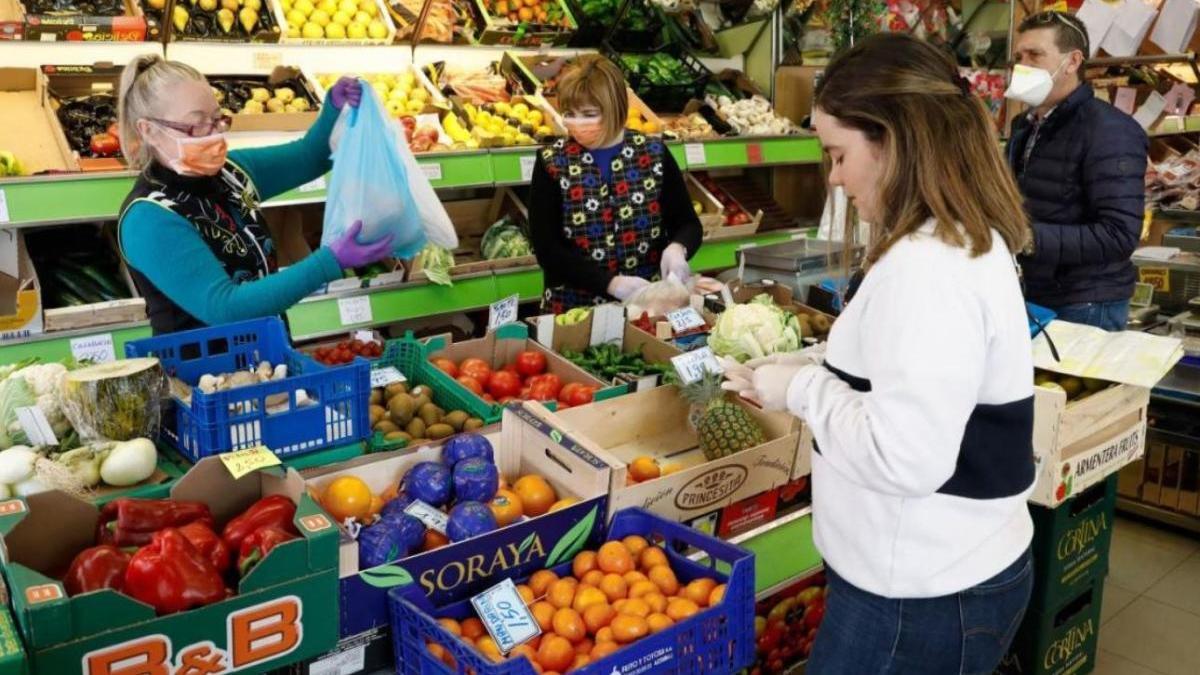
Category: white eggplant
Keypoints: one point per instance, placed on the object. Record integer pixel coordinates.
(129, 463)
(16, 464)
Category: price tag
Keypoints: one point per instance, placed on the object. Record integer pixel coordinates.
(692, 365)
(3, 207)
(355, 310)
(754, 153)
(242, 462)
(545, 330)
(432, 170)
(382, 377)
(343, 663)
(94, 348)
(527, 163)
(267, 60)
(35, 425)
(1157, 277)
(694, 153)
(433, 518)
(503, 312)
(608, 325)
(647, 382)
(364, 336)
(683, 320)
(317, 185)
(505, 615)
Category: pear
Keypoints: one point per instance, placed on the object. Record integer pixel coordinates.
(275, 105)
(255, 5)
(249, 18)
(157, 4)
(260, 94)
(298, 105)
(252, 107)
(285, 94)
(226, 19)
(180, 18)
(231, 5)
(208, 5)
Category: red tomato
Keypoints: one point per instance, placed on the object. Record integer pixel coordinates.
(446, 366)
(551, 381)
(530, 363)
(488, 398)
(542, 390)
(564, 394)
(580, 396)
(476, 368)
(471, 383)
(503, 384)
(512, 368)
(344, 344)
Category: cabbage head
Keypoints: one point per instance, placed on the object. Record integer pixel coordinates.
(753, 330)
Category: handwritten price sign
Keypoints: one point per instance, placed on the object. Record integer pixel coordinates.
(248, 460)
(505, 615)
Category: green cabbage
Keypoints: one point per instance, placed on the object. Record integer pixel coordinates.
(505, 239)
(754, 330)
(436, 263)
(15, 393)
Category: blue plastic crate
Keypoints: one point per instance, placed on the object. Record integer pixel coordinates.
(336, 413)
(718, 639)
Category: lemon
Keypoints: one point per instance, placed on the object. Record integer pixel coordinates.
(328, 6)
(356, 31)
(319, 17)
(305, 7)
(377, 30)
(296, 18)
(369, 7)
(534, 118)
(408, 79)
(348, 6)
(520, 110)
(419, 95)
(293, 31)
(342, 19)
(363, 18)
(335, 31)
(415, 107)
(312, 31)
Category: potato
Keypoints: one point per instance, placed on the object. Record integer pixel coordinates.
(439, 431)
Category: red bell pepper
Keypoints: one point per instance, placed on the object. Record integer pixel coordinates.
(275, 510)
(211, 546)
(259, 544)
(132, 522)
(96, 568)
(170, 575)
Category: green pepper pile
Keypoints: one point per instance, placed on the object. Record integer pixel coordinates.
(659, 69)
(607, 361)
(599, 9)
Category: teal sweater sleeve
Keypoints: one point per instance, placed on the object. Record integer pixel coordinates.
(276, 169)
(194, 279)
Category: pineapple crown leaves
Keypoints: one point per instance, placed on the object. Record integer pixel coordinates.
(705, 390)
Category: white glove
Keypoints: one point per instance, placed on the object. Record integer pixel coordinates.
(623, 287)
(765, 381)
(674, 263)
(814, 354)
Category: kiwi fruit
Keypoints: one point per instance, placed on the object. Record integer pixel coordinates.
(385, 427)
(397, 436)
(472, 424)
(1093, 385)
(402, 407)
(1072, 385)
(820, 323)
(377, 397)
(439, 431)
(377, 413)
(806, 328)
(456, 419)
(1043, 377)
(422, 399)
(395, 388)
(430, 413)
(416, 428)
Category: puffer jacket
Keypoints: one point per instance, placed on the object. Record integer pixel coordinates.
(1084, 189)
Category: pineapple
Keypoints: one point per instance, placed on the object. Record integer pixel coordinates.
(724, 427)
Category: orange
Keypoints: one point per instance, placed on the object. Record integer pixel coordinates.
(506, 507)
(626, 629)
(376, 506)
(526, 594)
(502, 7)
(452, 626)
(524, 650)
(562, 504)
(659, 622)
(584, 646)
(525, 14)
(632, 578)
(540, 582)
(487, 646)
(598, 616)
(614, 557)
(635, 607)
(652, 557)
(347, 497)
(543, 613)
(717, 595)
(620, 604)
(536, 495)
(657, 602)
(584, 562)
(613, 586)
(472, 629)
(603, 649)
(644, 468)
(640, 588)
(586, 596)
(562, 592)
(681, 608)
(569, 624)
(434, 539)
(605, 634)
(387, 495)
(699, 590)
(556, 653)
(664, 578)
(438, 651)
(581, 660)
(636, 544)
(593, 578)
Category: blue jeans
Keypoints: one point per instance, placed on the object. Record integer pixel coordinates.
(960, 634)
(1110, 316)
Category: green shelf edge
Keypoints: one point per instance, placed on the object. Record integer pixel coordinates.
(783, 553)
(50, 347)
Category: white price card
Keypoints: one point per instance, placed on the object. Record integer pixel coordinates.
(432, 170)
(3, 207)
(382, 377)
(505, 615)
(355, 310)
(364, 336)
(692, 365)
(348, 662)
(694, 153)
(527, 163)
(608, 325)
(313, 186)
(683, 320)
(503, 311)
(35, 425)
(433, 518)
(94, 348)
(545, 330)
(267, 60)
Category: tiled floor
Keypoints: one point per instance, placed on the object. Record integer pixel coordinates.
(1150, 623)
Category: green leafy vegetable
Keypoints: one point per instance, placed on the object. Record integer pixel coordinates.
(755, 329)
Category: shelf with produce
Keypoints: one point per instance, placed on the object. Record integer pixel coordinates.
(56, 346)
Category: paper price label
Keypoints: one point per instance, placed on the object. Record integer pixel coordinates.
(1157, 277)
(94, 348)
(505, 615)
(354, 310)
(754, 153)
(35, 425)
(527, 168)
(694, 153)
(545, 330)
(691, 366)
(683, 320)
(608, 325)
(267, 60)
(343, 663)
(382, 377)
(433, 518)
(503, 312)
(432, 170)
(248, 460)
(317, 185)
(3, 207)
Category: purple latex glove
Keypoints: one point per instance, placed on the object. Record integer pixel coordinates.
(349, 253)
(346, 90)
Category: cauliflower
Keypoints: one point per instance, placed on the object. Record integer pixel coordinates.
(46, 382)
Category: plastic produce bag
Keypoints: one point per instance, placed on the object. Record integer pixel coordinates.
(659, 298)
(377, 180)
(115, 401)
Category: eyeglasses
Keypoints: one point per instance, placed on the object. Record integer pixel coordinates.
(217, 125)
(1050, 18)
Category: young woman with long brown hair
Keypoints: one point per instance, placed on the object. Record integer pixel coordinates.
(921, 405)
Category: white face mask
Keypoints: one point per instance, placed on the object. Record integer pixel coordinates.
(1031, 85)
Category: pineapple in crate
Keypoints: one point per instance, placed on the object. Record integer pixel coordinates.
(723, 426)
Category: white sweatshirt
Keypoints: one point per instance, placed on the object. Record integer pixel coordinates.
(923, 420)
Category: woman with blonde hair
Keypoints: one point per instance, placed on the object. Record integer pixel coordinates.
(609, 210)
(191, 230)
(921, 404)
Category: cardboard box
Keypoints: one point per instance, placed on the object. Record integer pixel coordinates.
(1079, 444)
(266, 31)
(281, 121)
(712, 212)
(1059, 641)
(12, 653)
(383, 15)
(12, 20)
(20, 295)
(793, 642)
(367, 652)
(1129, 479)
(654, 423)
(133, 26)
(1071, 544)
(472, 218)
(68, 82)
(579, 336)
(31, 130)
(122, 310)
(284, 610)
(528, 440)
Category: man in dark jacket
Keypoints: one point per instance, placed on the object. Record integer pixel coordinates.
(1081, 165)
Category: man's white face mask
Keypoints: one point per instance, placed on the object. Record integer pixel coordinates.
(1031, 85)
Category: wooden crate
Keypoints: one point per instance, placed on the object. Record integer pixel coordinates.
(472, 218)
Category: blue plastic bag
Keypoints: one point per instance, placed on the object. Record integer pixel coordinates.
(377, 180)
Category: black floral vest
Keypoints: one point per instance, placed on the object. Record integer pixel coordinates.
(224, 210)
(618, 224)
